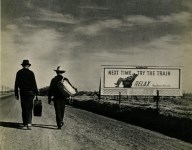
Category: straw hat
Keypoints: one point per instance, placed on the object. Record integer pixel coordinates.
(60, 70)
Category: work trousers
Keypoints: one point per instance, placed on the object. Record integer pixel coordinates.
(59, 104)
(27, 107)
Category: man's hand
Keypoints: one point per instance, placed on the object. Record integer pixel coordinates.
(70, 100)
(17, 97)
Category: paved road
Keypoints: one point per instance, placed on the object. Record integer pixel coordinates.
(82, 131)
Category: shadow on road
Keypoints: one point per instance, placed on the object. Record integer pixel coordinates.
(16, 125)
(10, 124)
(45, 126)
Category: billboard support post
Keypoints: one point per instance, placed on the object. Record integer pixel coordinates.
(99, 95)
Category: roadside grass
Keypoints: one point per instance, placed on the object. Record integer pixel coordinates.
(4, 95)
(174, 117)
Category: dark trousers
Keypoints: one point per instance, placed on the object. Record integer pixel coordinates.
(59, 104)
(27, 107)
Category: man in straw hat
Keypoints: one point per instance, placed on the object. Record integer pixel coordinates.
(59, 99)
(26, 83)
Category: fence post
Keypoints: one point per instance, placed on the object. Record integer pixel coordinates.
(119, 98)
(3, 89)
(156, 99)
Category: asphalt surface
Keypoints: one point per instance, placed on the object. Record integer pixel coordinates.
(82, 130)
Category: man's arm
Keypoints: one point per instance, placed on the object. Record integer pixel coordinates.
(35, 89)
(17, 86)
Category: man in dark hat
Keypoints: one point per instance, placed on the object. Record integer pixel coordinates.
(25, 83)
(58, 98)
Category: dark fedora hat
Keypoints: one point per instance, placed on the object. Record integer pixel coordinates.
(60, 70)
(25, 62)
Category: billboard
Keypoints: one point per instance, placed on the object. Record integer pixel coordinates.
(130, 80)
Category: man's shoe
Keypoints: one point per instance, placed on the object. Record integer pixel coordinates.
(21, 125)
(59, 127)
(29, 126)
(62, 123)
(24, 127)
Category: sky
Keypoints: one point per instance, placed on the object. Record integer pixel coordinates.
(82, 35)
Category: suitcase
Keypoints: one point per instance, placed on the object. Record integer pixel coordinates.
(37, 108)
(66, 89)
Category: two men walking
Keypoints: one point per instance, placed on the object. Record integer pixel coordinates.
(26, 83)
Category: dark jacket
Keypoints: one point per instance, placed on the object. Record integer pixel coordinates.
(53, 89)
(25, 81)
